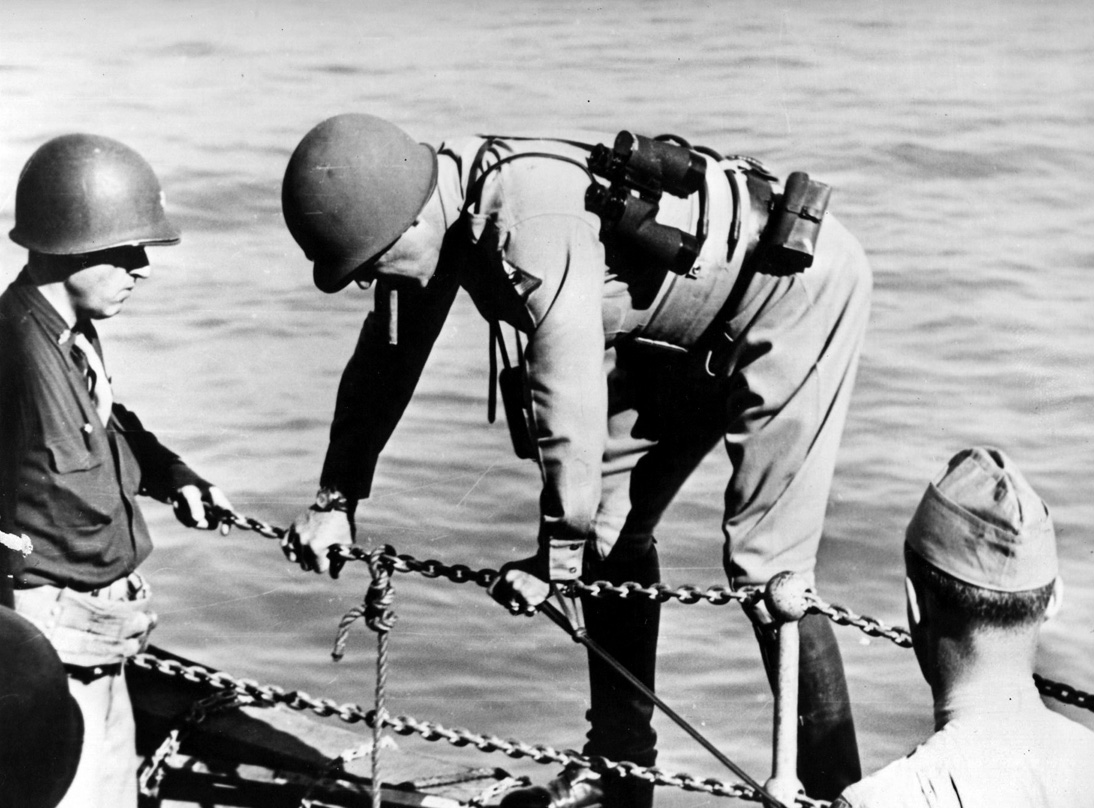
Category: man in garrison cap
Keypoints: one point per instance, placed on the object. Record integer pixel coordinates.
(982, 576)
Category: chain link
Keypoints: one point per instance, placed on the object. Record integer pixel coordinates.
(1064, 694)
(225, 516)
(867, 625)
(264, 695)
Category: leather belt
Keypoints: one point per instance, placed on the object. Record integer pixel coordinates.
(87, 675)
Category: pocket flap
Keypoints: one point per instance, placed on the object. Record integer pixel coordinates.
(70, 453)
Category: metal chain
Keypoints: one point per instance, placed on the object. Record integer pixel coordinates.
(1064, 694)
(225, 516)
(686, 594)
(265, 695)
(867, 625)
(406, 725)
(430, 731)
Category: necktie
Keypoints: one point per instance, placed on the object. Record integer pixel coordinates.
(98, 384)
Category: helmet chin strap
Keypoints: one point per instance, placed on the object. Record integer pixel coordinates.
(392, 316)
(387, 310)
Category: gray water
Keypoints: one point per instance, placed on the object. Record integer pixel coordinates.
(957, 136)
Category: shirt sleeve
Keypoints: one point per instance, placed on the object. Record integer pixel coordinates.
(567, 385)
(378, 383)
(162, 471)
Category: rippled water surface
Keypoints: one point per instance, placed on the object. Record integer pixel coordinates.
(957, 136)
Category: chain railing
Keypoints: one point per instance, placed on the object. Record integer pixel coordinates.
(685, 594)
(230, 692)
(248, 691)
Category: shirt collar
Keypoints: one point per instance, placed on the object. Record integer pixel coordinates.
(35, 302)
(51, 320)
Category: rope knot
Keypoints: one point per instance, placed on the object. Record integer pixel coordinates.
(377, 606)
(380, 596)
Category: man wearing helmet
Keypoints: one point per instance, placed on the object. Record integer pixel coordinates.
(72, 460)
(631, 374)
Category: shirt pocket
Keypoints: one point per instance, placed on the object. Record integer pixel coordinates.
(69, 453)
(80, 492)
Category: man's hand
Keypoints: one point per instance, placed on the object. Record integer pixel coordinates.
(522, 585)
(312, 534)
(192, 504)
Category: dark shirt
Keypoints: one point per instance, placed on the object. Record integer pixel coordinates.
(67, 482)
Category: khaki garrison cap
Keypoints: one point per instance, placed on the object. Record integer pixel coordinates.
(982, 523)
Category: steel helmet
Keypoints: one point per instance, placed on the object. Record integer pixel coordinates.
(81, 193)
(43, 727)
(354, 185)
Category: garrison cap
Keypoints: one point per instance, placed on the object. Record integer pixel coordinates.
(982, 523)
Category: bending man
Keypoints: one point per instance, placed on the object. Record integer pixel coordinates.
(664, 309)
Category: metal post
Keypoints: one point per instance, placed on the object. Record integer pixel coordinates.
(787, 601)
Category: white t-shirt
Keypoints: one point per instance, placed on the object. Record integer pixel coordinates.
(991, 753)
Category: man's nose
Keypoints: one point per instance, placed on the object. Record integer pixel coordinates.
(140, 272)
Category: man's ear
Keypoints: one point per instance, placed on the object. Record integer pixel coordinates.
(915, 617)
(1057, 599)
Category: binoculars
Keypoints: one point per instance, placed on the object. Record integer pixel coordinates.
(640, 169)
(649, 166)
(631, 217)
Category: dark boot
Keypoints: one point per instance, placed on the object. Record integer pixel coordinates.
(619, 715)
(828, 758)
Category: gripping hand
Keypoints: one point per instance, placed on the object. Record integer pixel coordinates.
(522, 585)
(193, 506)
(328, 523)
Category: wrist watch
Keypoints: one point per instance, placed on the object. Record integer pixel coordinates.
(330, 500)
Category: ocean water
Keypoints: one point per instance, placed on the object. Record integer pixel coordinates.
(956, 134)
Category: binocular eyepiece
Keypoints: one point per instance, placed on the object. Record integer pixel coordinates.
(649, 165)
(621, 212)
(640, 169)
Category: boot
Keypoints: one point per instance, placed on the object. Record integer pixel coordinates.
(828, 758)
(620, 717)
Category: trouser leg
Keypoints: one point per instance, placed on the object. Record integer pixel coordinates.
(620, 716)
(828, 759)
(798, 340)
(107, 773)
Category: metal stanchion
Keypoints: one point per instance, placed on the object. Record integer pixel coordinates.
(787, 601)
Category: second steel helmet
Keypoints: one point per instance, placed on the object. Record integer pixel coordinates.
(82, 193)
(354, 185)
